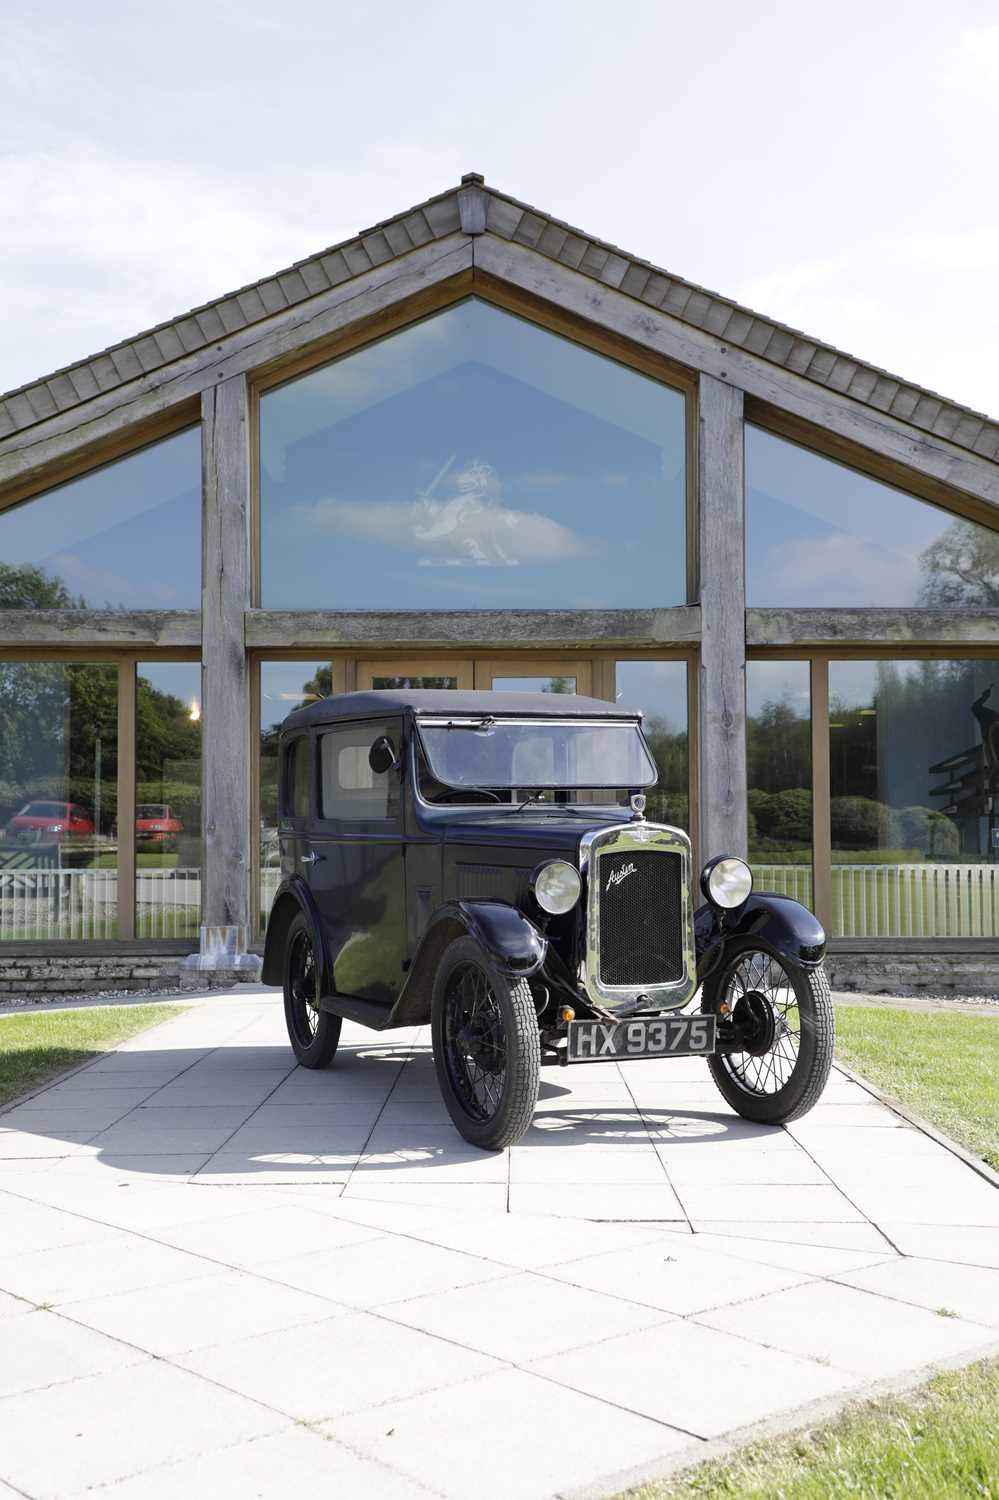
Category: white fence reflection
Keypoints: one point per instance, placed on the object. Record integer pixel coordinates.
(37, 905)
(917, 900)
(869, 901)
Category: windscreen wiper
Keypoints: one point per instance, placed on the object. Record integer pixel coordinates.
(488, 722)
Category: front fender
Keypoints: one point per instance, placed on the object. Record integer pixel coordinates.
(293, 896)
(780, 923)
(511, 940)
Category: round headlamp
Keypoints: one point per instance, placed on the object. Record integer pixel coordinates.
(556, 886)
(726, 881)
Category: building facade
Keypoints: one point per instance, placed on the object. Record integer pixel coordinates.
(473, 446)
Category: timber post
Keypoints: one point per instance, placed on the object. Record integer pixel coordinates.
(722, 697)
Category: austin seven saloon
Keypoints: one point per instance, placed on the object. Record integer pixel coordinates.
(481, 861)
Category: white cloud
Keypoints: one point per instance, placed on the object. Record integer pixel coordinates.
(452, 533)
(977, 54)
(800, 573)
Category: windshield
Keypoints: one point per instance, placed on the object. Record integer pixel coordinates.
(532, 754)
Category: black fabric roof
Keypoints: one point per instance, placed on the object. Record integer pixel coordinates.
(434, 701)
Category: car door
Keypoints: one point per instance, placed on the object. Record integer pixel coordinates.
(357, 869)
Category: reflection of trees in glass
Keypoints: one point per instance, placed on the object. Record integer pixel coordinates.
(168, 756)
(60, 736)
(961, 568)
(668, 800)
(30, 587)
(880, 753)
(779, 771)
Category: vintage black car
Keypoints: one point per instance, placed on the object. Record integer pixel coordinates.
(481, 861)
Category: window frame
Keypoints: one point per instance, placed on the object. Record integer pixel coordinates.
(392, 823)
(366, 331)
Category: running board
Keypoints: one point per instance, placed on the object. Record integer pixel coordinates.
(364, 1012)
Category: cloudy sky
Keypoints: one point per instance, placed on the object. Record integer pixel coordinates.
(833, 165)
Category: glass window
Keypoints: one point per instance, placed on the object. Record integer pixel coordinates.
(659, 689)
(284, 686)
(819, 533)
(296, 779)
(349, 788)
(534, 684)
(779, 776)
(168, 799)
(126, 536)
(472, 460)
(58, 800)
(914, 777)
(528, 756)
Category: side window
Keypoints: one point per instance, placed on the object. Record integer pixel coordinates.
(295, 790)
(349, 788)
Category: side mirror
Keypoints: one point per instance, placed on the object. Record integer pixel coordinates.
(382, 756)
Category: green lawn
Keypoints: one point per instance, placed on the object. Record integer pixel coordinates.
(945, 1067)
(34, 1047)
(941, 1442)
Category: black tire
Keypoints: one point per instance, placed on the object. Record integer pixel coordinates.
(314, 1034)
(487, 1049)
(782, 1083)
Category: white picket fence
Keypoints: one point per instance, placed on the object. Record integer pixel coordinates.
(37, 905)
(917, 900)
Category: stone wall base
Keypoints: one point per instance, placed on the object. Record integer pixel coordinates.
(940, 971)
(25, 980)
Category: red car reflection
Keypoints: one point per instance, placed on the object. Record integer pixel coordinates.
(49, 820)
(156, 824)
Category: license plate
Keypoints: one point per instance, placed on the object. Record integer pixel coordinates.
(659, 1036)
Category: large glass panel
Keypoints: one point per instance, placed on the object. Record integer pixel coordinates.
(914, 777)
(818, 533)
(167, 799)
(659, 689)
(58, 800)
(779, 776)
(284, 686)
(472, 460)
(125, 536)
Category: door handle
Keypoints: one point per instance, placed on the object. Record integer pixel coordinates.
(312, 859)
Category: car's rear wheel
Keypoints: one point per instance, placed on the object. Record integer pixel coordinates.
(314, 1034)
(785, 1013)
(487, 1049)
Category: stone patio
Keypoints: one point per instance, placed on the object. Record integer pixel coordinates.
(220, 1274)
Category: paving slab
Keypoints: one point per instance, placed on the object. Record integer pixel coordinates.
(212, 1232)
(547, 1439)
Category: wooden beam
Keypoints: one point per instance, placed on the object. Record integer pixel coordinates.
(127, 629)
(767, 383)
(226, 681)
(875, 627)
(722, 695)
(468, 629)
(86, 429)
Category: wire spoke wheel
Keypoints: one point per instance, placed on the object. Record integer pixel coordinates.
(475, 1041)
(303, 984)
(487, 1049)
(760, 991)
(783, 1017)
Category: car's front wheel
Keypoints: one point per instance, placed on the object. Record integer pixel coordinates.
(314, 1034)
(487, 1049)
(785, 1013)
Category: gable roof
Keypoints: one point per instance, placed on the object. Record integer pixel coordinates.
(477, 208)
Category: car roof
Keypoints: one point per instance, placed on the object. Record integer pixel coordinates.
(380, 702)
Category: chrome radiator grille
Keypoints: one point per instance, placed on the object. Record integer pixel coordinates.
(641, 918)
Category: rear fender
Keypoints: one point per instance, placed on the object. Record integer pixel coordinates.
(514, 944)
(293, 896)
(785, 926)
